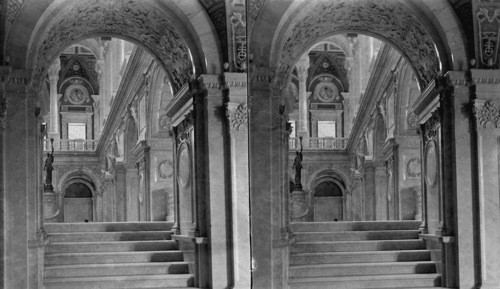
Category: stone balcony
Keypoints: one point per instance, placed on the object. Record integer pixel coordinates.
(71, 145)
(318, 143)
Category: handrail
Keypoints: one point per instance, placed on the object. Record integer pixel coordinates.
(71, 145)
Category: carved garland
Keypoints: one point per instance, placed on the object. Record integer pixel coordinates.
(487, 114)
(392, 22)
(237, 117)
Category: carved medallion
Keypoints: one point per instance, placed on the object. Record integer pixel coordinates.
(184, 170)
(164, 122)
(413, 168)
(326, 92)
(165, 169)
(76, 94)
(431, 164)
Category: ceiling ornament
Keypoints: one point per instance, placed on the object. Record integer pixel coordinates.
(133, 19)
(383, 18)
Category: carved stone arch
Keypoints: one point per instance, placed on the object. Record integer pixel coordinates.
(425, 42)
(163, 29)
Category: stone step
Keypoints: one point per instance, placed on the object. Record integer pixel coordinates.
(356, 235)
(353, 246)
(112, 257)
(121, 282)
(359, 257)
(360, 269)
(113, 246)
(354, 226)
(107, 227)
(109, 236)
(88, 270)
(374, 281)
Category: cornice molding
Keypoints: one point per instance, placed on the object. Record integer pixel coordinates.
(485, 76)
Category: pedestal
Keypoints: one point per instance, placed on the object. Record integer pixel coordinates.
(50, 205)
(299, 207)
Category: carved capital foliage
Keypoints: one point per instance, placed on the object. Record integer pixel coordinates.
(383, 18)
(137, 19)
(487, 114)
(237, 115)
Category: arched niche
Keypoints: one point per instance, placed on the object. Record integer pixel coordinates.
(327, 202)
(78, 198)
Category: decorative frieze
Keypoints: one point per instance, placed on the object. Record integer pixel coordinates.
(237, 116)
(13, 7)
(487, 113)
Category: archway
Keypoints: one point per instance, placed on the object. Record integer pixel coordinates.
(79, 198)
(328, 198)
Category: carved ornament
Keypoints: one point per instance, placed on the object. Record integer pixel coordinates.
(164, 122)
(237, 117)
(165, 169)
(413, 168)
(487, 114)
(488, 19)
(13, 7)
(386, 19)
(136, 19)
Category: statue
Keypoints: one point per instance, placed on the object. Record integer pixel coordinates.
(297, 165)
(49, 168)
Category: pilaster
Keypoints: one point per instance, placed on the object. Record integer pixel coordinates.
(487, 121)
(237, 117)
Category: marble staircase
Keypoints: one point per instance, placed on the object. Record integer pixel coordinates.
(113, 255)
(349, 255)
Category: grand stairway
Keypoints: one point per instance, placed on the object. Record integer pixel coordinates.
(113, 255)
(360, 255)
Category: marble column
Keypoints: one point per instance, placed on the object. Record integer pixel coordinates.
(237, 116)
(108, 79)
(21, 182)
(216, 175)
(53, 74)
(459, 186)
(303, 126)
(99, 100)
(487, 113)
(266, 190)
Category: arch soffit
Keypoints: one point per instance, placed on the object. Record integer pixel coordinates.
(177, 47)
(83, 174)
(303, 24)
(325, 171)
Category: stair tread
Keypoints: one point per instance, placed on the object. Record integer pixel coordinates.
(110, 253)
(116, 278)
(110, 233)
(355, 232)
(359, 241)
(113, 265)
(359, 252)
(110, 242)
(363, 278)
(405, 263)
